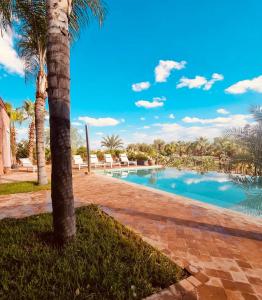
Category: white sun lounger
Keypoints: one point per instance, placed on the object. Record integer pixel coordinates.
(124, 159)
(26, 163)
(109, 161)
(78, 161)
(95, 162)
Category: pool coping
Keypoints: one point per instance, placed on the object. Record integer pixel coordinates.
(253, 219)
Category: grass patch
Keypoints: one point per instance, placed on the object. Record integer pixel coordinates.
(106, 261)
(22, 187)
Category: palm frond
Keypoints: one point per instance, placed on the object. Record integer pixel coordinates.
(6, 13)
(82, 10)
(257, 112)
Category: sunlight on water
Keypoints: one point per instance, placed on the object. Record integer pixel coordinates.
(243, 194)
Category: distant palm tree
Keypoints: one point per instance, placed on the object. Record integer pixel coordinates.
(58, 65)
(15, 116)
(112, 142)
(249, 139)
(28, 111)
(159, 145)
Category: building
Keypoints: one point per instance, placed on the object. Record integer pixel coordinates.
(5, 149)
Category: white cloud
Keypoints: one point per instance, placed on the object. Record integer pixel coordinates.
(146, 127)
(142, 118)
(99, 133)
(159, 98)
(164, 68)
(123, 120)
(157, 102)
(138, 87)
(175, 131)
(199, 82)
(76, 124)
(9, 59)
(156, 117)
(223, 111)
(148, 104)
(244, 86)
(196, 82)
(171, 116)
(99, 122)
(230, 121)
(22, 133)
(215, 77)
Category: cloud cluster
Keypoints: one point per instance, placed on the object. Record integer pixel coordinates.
(237, 120)
(99, 122)
(244, 86)
(8, 56)
(223, 111)
(156, 102)
(199, 82)
(138, 87)
(164, 68)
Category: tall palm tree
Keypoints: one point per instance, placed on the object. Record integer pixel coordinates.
(249, 139)
(58, 61)
(112, 142)
(28, 111)
(15, 116)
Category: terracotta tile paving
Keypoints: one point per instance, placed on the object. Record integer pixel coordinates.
(221, 249)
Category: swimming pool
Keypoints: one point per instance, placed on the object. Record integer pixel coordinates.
(239, 193)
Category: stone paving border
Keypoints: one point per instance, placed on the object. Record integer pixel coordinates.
(225, 247)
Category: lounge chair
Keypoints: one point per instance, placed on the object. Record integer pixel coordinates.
(78, 161)
(124, 160)
(26, 163)
(109, 161)
(95, 162)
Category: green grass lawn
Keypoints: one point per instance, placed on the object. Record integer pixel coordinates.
(22, 187)
(106, 261)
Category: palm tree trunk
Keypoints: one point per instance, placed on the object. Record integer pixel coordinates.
(40, 126)
(13, 144)
(59, 108)
(31, 140)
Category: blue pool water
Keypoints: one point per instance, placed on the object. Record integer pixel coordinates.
(238, 193)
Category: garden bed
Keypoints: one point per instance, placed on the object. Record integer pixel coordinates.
(106, 261)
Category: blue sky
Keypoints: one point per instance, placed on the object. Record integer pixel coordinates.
(199, 63)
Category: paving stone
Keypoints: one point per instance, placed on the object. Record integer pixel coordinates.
(211, 293)
(239, 276)
(194, 281)
(234, 295)
(202, 277)
(214, 282)
(249, 296)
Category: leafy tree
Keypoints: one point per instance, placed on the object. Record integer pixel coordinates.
(112, 142)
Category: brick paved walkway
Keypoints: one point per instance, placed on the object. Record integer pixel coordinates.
(225, 246)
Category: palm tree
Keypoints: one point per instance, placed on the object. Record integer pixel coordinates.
(159, 145)
(15, 116)
(58, 65)
(112, 142)
(249, 140)
(28, 111)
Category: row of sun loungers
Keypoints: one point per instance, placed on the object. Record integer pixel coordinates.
(108, 162)
(78, 161)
